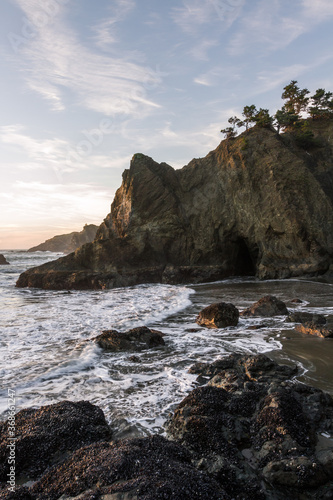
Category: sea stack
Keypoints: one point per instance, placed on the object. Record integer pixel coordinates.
(257, 205)
(3, 260)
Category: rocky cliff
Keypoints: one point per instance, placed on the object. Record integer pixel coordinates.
(67, 243)
(256, 205)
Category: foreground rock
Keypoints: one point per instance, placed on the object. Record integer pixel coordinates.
(49, 434)
(306, 317)
(219, 315)
(67, 243)
(252, 433)
(315, 330)
(223, 215)
(150, 468)
(3, 260)
(136, 339)
(267, 306)
(257, 432)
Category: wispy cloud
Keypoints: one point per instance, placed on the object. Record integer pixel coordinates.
(196, 13)
(277, 78)
(318, 11)
(40, 153)
(59, 155)
(200, 50)
(35, 203)
(270, 26)
(106, 32)
(218, 75)
(55, 61)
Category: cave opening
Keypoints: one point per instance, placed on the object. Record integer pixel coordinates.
(245, 259)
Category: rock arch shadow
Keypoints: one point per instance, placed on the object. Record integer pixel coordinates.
(245, 258)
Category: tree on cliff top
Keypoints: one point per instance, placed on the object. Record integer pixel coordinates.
(322, 104)
(289, 117)
(296, 98)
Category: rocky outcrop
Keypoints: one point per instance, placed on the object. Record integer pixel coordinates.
(256, 205)
(219, 315)
(256, 432)
(47, 435)
(67, 243)
(252, 433)
(266, 307)
(3, 260)
(136, 339)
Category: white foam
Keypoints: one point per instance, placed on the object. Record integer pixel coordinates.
(49, 355)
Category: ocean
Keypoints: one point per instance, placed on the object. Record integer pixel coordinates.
(48, 355)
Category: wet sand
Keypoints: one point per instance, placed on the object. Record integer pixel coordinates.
(315, 355)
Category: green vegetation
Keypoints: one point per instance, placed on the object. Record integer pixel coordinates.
(292, 117)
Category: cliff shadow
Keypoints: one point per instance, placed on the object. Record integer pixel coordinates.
(245, 258)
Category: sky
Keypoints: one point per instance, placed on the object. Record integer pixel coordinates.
(85, 84)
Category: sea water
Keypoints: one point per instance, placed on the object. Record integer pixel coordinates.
(48, 353)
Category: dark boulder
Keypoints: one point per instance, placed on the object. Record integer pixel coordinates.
(315, 330)
(46, 435)
(218, 315)
(267, 306)
(136, 339)
(306, 317)
(149, 468)
(3, 260)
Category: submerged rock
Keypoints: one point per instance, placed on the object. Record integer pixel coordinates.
(267, 306)
(263, 209)
(3, 260)
(136, 339)
(306, 317)
(47, 435)
(219, 315)
(314, 329)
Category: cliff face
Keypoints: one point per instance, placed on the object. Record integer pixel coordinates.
(67, 243)
(257, 205)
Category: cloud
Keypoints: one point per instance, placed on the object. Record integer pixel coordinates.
(318, 11)
(200, 50)
(266, 28)
(196, 13)
(54, 61)
(40, 151)
(268, 80)
(38, 205)
(59, 155)
(46, 154)
(106, 31)
(219, 75)
(270, 26)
